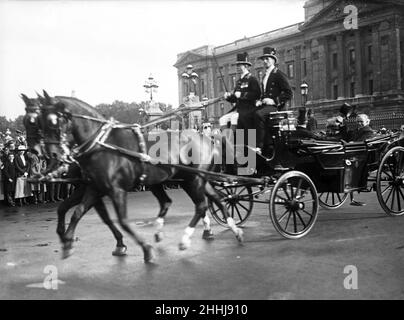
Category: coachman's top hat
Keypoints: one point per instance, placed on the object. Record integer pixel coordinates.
(269, 52)
(242, 58)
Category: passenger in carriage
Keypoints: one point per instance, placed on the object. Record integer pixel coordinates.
(275, 93)
(302, 131)
(364, 131)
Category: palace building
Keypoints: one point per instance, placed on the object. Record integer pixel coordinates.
(345, 50)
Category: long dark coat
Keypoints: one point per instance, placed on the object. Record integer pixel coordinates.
(9, 173)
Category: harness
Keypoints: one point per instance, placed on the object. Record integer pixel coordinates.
(99, 138)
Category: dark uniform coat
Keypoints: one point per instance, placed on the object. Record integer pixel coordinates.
(245, 105)
(277, 88)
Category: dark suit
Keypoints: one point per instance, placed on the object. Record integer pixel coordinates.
(362, 134)
(278, 89)
(9, 173)
(245, 105)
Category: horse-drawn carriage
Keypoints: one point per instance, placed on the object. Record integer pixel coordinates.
(315, 172)
(299, 172)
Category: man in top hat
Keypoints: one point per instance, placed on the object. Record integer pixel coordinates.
(275, 93)
(245, 95)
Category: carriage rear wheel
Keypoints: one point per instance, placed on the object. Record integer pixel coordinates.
(238, 200)
(332, 200)
(390, 182)
(293, 205)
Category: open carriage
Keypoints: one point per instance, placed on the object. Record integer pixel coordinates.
(315, 172)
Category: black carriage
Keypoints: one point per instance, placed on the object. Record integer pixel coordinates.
(315, 172)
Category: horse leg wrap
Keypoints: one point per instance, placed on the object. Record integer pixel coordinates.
(159, 223)
(186, 238)
(237, 231)
(158, 236)
(206, 222)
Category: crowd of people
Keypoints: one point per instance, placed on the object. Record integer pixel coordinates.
(18, 166)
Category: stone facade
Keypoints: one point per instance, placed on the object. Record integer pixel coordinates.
(341, 58)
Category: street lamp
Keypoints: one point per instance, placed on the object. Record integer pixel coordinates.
(205, 110)
(191, 76)
(151, 86)
(304, 90)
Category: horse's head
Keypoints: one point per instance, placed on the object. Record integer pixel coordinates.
(55, 122)
(32, 125)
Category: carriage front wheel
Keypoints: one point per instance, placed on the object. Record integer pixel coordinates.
(238, 200)
(293, 205)
(390, 182)
(332, 200)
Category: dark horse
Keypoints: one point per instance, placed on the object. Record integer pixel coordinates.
(32, 125)
(114, 172)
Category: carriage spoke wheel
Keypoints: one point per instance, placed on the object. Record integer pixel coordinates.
(238, 201)
(293, 205)
(390, 182)
(332, 200)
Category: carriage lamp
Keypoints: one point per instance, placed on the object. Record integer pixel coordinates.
(151, 86)
(304, 90)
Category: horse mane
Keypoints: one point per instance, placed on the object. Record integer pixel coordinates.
(84, 106)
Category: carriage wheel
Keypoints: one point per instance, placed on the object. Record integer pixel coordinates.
(390, 182)
(293, 205)
(332, 200)
(238, 201)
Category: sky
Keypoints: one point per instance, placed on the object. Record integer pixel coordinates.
(105, 50)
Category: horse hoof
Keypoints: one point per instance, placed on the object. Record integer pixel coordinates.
(158, 236)
(148, 253)
(119, 251)
(184, 245)
(240, 235)
(207, 235)
(66, 253)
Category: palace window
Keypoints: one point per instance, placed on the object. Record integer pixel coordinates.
(352, 89)
(304, 66)
(289, 67)
(370, 86)
(352, 56)
(370, 56)
(233, 82)
(202, 82)
(220, 81)
(335, 91)
(335, 61)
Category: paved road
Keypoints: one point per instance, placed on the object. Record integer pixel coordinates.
(265, 267)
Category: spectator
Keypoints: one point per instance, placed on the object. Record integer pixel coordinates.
(22, 188)
(34, 172)
(1, 177)
(9, 179)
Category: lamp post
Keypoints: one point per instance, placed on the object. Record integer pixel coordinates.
(205, 110)
(151, 86)
(190, 77)
(304, 90)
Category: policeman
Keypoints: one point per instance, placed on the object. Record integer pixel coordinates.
(245, 95)
(275, 93)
